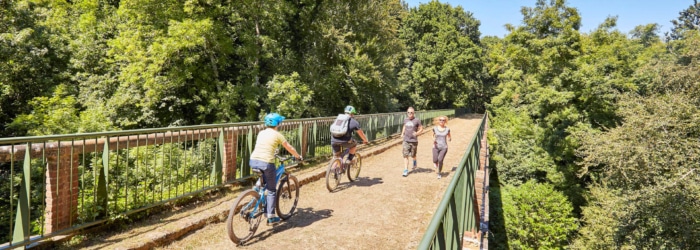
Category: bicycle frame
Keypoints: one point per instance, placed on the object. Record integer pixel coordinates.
(263, 201)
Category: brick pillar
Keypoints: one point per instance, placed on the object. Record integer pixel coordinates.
(305, 140)
(230, 146)
(61, 191)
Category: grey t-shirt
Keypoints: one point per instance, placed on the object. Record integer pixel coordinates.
(411, 126)
(353, 125)
(441, 137)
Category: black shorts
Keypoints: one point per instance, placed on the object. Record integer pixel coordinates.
(346, 144)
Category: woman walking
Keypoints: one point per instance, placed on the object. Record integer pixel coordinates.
(441, 135)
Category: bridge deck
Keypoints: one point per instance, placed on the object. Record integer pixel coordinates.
(382, 210)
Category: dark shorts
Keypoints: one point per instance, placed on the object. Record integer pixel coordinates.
(345, 144)
(409, 149)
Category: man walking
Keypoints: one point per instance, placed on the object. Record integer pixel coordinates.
(411, 128)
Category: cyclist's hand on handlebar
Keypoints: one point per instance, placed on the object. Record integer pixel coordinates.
(365, 142)
(299, 158)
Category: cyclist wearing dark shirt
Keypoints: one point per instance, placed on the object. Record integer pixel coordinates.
(347, 141)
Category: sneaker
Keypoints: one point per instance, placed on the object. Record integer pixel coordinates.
(405, 172)
(273, 220)
(439, 176)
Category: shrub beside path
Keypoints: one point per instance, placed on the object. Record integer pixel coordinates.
(381, 210)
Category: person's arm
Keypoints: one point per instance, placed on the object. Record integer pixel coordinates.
(449, 135)
(362, 135)
(291, 149)
(420, 129)
(403, 130)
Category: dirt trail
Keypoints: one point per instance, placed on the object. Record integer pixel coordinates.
(382, 210)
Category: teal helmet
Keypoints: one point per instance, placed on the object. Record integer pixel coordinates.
(273, 119)
(350, 110)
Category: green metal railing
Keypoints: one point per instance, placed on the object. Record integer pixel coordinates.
(457, 211)
(54, 185)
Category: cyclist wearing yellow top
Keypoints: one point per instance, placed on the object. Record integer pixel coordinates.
(263, 158)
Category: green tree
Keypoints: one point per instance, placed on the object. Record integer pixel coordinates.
(537, 216)
(688, 19)
(649, 161)
(32, 62)
(442, 66)
(647, 188)
(555, 82)
(536, 68)
(349, 49)
(55, 115)
(288, 96)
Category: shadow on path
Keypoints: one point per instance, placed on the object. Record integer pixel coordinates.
(302, 217)
(367, 182)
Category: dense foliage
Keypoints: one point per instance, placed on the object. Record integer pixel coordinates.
(609, 119)
(135, 64)
(539, 217)
(595, 133)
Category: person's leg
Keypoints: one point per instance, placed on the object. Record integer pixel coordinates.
(435, 157)
(352, 146)
(414, 152)
(406, 152)
(336, 149)
(271, 186)
(268, 174)
(441, 159)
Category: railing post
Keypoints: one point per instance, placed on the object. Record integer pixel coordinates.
(61, 191)
(102, 180)
(22, 223)
(217, 173)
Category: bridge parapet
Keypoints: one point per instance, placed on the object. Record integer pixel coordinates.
(69, 182)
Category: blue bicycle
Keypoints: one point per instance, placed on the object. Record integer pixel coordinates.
(249, 208)
(337, 167)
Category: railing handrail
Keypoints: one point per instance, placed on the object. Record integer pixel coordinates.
(435, 222)
(24, 139)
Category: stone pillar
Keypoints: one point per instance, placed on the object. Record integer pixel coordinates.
(61, 191)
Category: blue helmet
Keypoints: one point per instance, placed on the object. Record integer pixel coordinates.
(273, 119)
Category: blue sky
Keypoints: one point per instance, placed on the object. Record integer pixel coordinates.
(494, 14)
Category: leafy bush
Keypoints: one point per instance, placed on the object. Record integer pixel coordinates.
(537, 216)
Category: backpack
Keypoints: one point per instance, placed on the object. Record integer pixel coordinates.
(340, 126)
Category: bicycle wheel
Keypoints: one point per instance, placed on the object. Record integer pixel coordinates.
(287, 197)
(332, 175)
(355, 167)
(243, 217)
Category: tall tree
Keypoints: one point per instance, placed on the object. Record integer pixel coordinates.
(442, 66)
(32, 60)
(688, 19)
(536, 68)
(351, 51)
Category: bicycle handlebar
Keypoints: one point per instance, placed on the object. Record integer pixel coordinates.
(285, 158)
